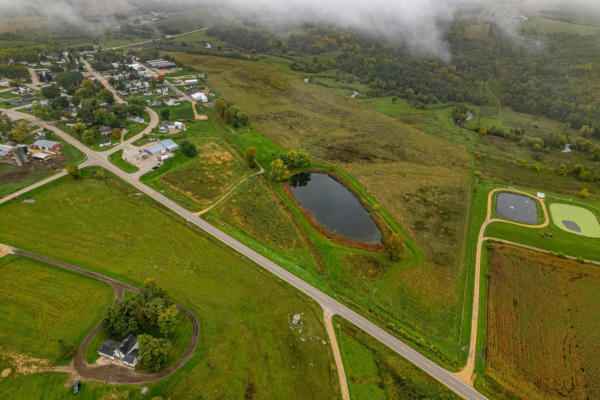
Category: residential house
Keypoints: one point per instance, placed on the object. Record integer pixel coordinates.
(4, 82)
(105, 130)
(135, 118)
(126, 351)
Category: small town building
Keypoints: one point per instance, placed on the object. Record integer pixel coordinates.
(135, 118)
(541, 195)
(161, 147)
(4, 82)
(161, 64)
(47, 145)
(41, 156)
(3, 153)
(190, 82)
(199, 96)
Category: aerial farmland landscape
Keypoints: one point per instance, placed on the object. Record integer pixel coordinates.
(272, 199)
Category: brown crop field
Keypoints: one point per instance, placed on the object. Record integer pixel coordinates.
(543, 334)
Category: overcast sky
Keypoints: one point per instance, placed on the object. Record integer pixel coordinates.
(418, 23)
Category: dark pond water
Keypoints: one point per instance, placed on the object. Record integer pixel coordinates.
(516, 208)
(335, 207)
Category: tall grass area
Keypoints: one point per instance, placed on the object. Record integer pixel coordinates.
(374, 372)
(41, 304)
(419, 181)
(247, 343)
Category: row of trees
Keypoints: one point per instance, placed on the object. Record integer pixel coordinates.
(231, 114)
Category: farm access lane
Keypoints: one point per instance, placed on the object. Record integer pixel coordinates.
(115, 373)
(466, 374)
(328, 303)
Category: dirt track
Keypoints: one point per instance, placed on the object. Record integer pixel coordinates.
(466, 374)
(115, 373)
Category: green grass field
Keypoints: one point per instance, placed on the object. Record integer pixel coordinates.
(546, 26)
(182, 112)
(56, 386)
(246, 342)
(376, 373)
(40, 304)
(584, 218)
(117, 159)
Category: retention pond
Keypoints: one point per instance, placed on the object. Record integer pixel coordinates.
(516, 207)
(335, 207)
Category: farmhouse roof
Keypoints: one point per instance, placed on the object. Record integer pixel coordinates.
(108, 348)
(128, 344)
(131, 358)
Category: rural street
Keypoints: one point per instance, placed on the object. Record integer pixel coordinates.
(327, 302)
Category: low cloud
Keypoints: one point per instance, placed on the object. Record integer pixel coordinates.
(418, 24)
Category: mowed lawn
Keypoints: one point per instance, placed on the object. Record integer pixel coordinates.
(374, 372)
(40, 304)
(542, 326)
(247, 347)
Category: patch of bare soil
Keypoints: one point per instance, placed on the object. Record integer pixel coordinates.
(6, 372)
(25, 364)
(4, 250)
(12, 174)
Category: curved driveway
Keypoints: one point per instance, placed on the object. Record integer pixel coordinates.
(115, 373)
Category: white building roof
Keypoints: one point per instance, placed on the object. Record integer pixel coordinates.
(45, 144)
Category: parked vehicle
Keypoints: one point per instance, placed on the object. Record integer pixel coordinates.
(77, 386)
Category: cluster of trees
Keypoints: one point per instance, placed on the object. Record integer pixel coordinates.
(14, 72)
(292, 159)
(231, 114)
(70, 81)
(188, 149)
(19, 132)
(5, 123)
(528, 77)
(140, 315)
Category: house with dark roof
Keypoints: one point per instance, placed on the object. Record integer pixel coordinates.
(105, 130)
(126, 351)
